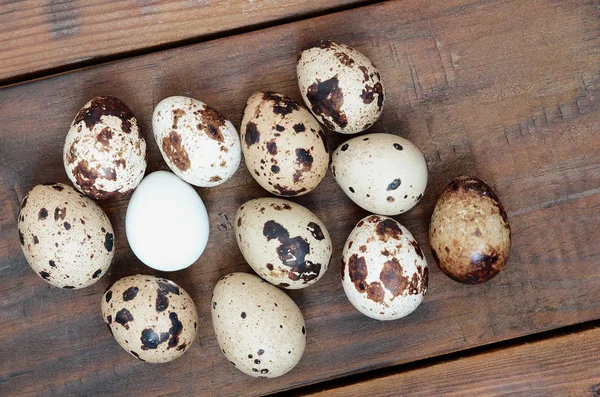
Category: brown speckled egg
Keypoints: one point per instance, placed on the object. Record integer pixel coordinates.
(283, 242)
(284, 147)
(105, 153)
(340, 86)
(383, 173)
(67, 239)
(384, 271)
(152, 318)
(197, 142)
(259, 328)
(469, 232)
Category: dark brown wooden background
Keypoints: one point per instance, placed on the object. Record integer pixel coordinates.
(508, 90)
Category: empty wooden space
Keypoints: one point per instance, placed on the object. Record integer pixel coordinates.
(561, 366)
(508, 90)
(37, 36)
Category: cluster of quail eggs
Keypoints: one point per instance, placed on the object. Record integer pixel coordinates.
(69, 241)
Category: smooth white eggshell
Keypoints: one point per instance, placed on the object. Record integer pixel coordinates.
(259, 328)
(67, 239)
(341, 87)
(152, 318)
(283, 242)
(166, 222)
(197, 142)
(384, 271)
(382, 173)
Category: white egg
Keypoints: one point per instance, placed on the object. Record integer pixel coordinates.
(382, 173)
(384, 271)
(166, 222)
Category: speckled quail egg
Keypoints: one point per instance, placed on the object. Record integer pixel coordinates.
(341, 87)
(469, 232)
(105, 153)
(197, 142)
(382, 173)
(152, 318)
(67, 239)
(283, 242)
(284, 147)
(259, 328)
(384, 271)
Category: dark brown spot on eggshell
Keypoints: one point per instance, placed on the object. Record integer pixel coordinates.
(304, 159)
(327, 98)
(212, 122)
(60, 213)
(106, 106)
(86, 180)
(299, 127)
(272, 147)
(388, 228)
(105, 136)
(150, 339)
(395, 184)
(316, 231)
(368, 94)
(45, 275)
(282, 105)
(42, 214)
(123, 317)
(285, 191)
(279, 128)
(177, 114)
(344, 59)
(175, 152)
(252, 135)
(392, 277)
(130, 293)
(292, 252)
(215, 178)
(417, 248)
(365, 73)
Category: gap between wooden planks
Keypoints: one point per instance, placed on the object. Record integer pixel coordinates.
(563, 365)
(39, 38)
(513, 99)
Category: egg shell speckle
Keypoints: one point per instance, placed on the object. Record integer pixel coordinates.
(259, 328)
(382, 173)
(283, 145)
(197, 142)
(152, 318)
(469, 232)
(384, 272)
(341, 87)
(105, 153)
(67, 239)
(283, 242)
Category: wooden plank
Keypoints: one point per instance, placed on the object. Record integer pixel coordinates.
(37, 35)
(560, 366)
(506, 89)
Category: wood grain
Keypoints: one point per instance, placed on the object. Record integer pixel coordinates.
(508, 90)
(560, 366)
(37, 36)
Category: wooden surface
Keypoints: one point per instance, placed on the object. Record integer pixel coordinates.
(561, 366)
(36, 35)
(508, 90)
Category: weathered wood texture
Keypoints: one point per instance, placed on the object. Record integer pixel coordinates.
(40, 35)
(508, 90)
(561, 366)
